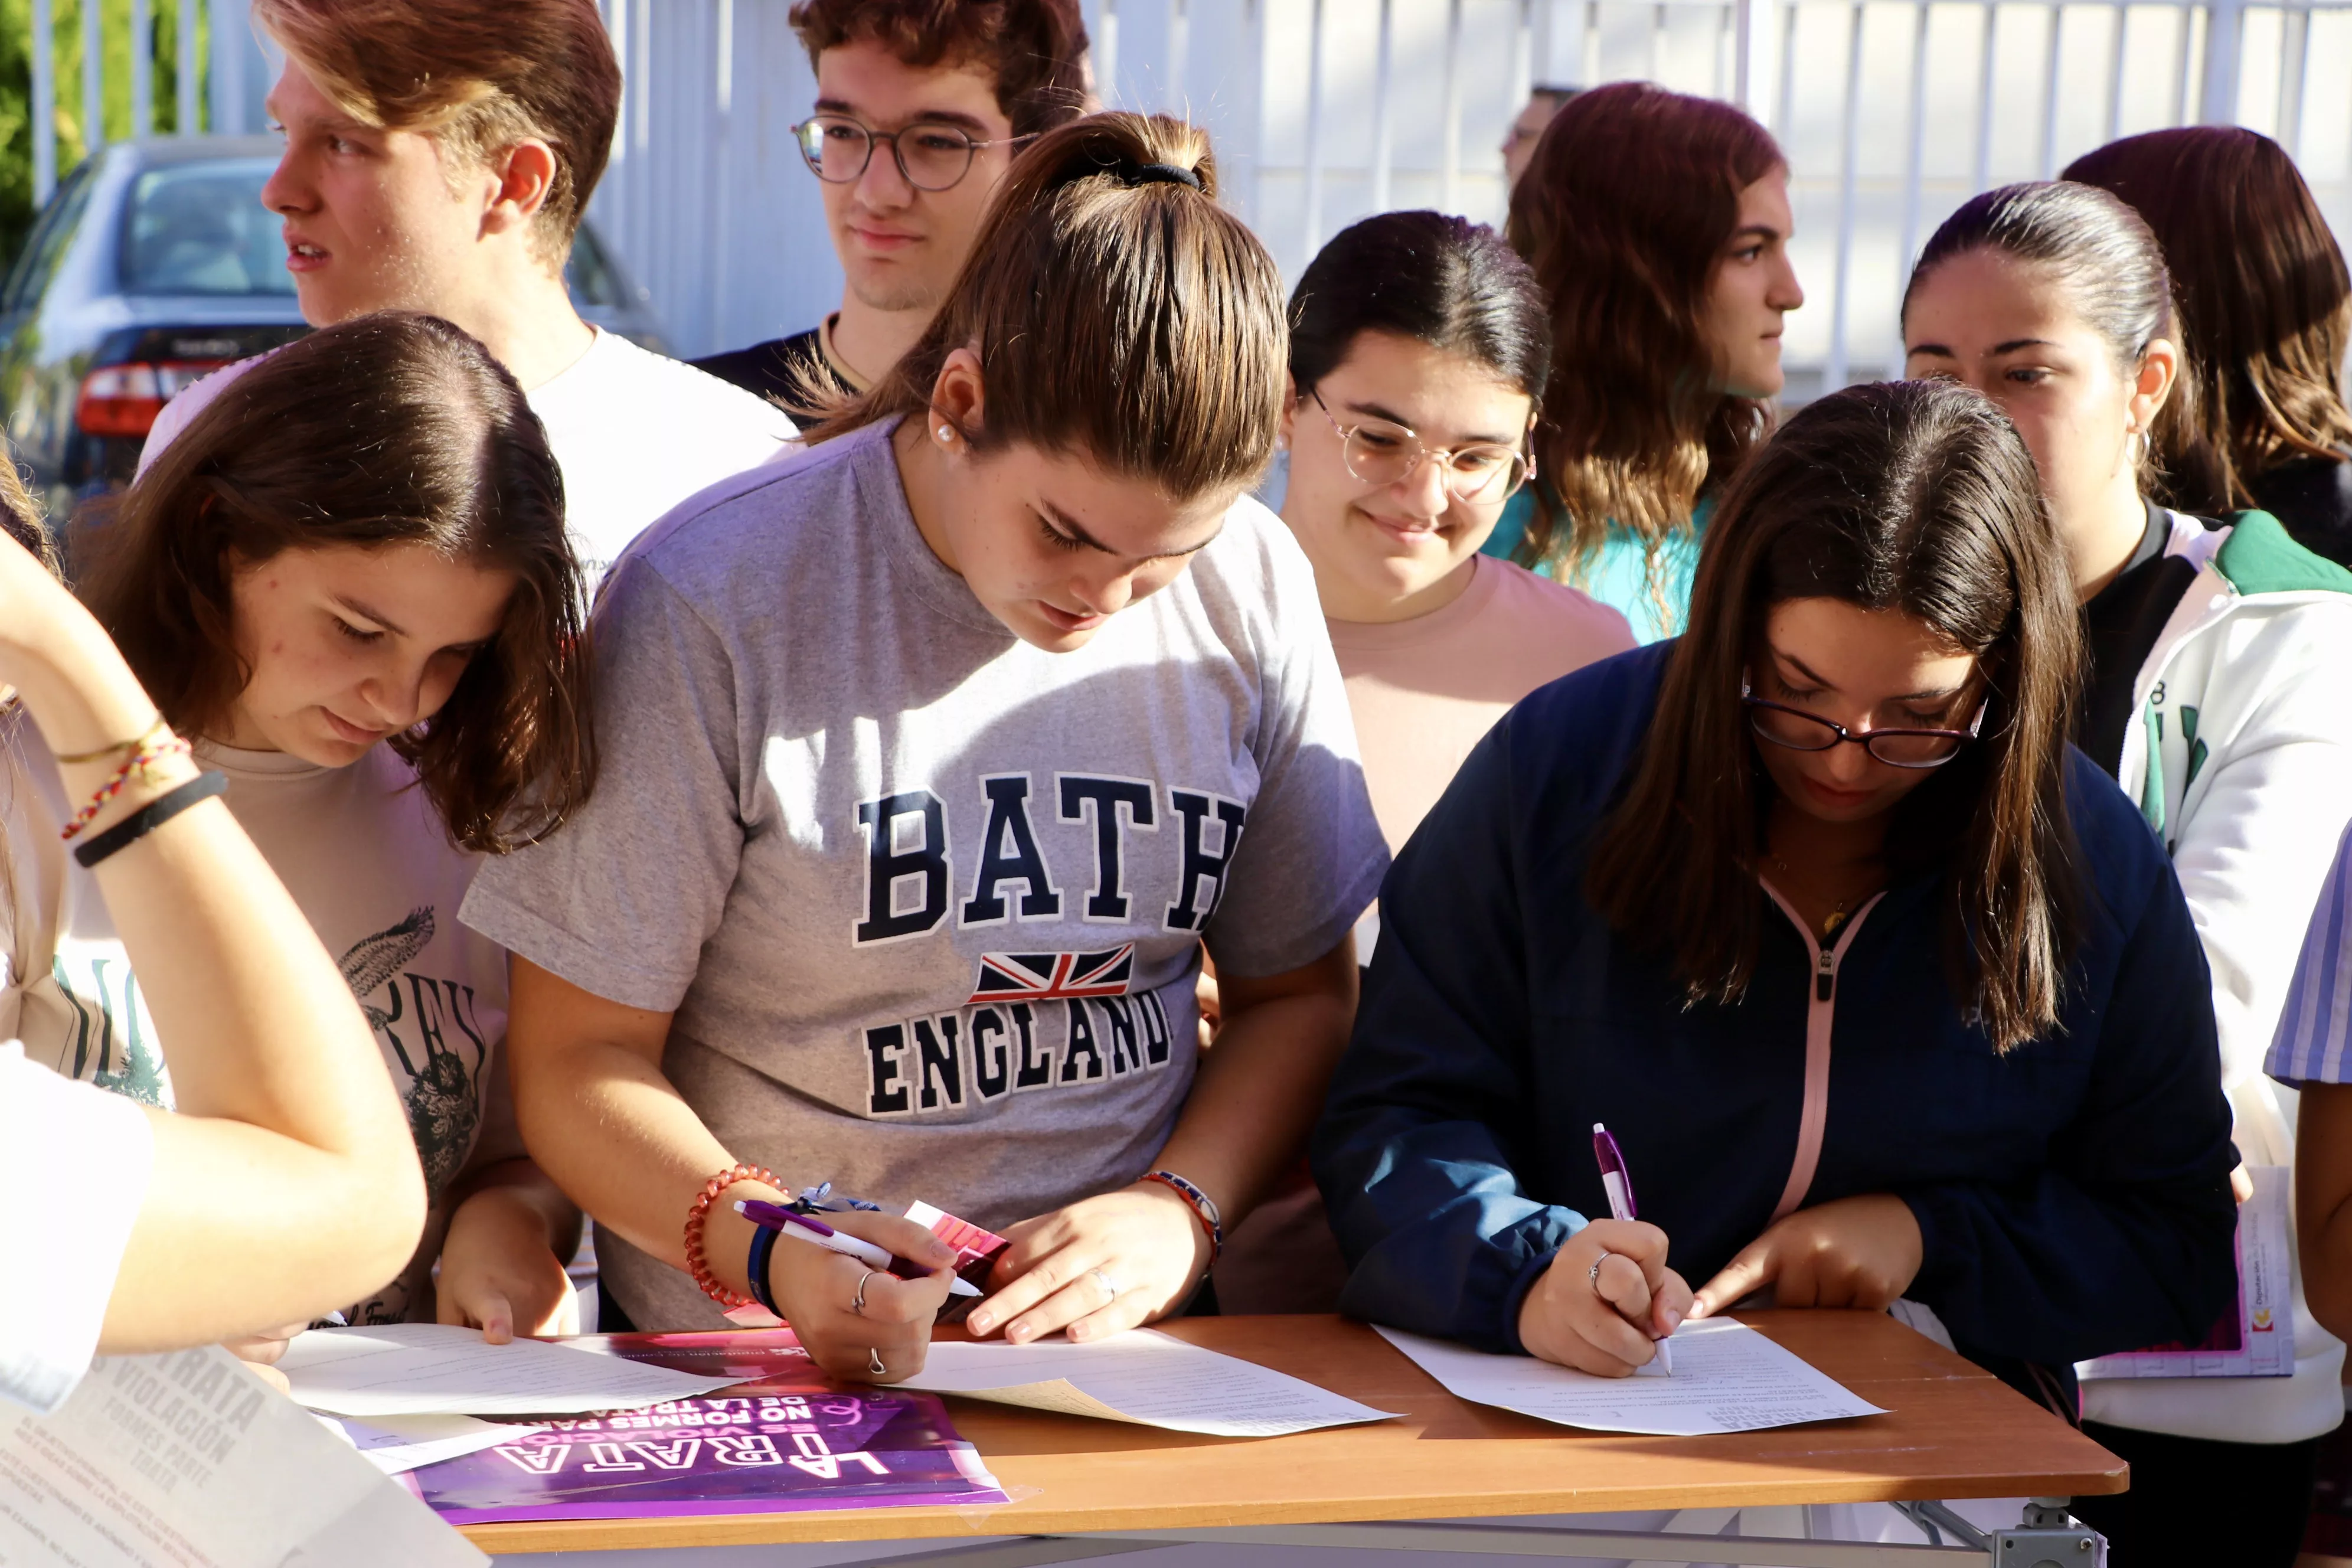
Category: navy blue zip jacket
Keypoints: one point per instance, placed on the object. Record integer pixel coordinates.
(2073, 1196)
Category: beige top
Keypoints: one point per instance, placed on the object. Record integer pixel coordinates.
(1424, 691)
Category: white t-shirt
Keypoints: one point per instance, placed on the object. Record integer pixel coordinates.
(60, 1241)
(634, 432)
(366, 857)
(928, 901)
(57, 1255)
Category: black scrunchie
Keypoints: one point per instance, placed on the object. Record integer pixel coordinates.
(1158, 174)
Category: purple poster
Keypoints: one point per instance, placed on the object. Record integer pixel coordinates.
(787, 1439)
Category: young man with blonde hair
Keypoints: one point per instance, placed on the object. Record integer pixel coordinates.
(438, 156)
(920, 107)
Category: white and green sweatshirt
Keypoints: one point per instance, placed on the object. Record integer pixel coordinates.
(2241, 759)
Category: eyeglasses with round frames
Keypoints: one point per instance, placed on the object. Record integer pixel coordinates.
(931, 155)
(1800, 732)
(1380, 453)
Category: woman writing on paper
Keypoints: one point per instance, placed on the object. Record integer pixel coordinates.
(286, 1183)
(931, 761)
(1883, 990)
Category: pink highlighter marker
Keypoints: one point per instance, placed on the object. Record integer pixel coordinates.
(1620, 1186)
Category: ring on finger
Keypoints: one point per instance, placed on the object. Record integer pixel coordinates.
(857, 1301)
(873, 1362)
(1110, 1290)
(1593, 1274)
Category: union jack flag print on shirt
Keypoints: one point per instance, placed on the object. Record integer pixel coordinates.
(1052, 976)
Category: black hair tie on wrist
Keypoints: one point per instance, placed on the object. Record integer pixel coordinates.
(1158, 174)
(151, 817)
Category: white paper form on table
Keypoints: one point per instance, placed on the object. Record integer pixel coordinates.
(1727, 1378)
(396, 1444)
(164, 1461)
(1140, 1376)
(419, 1369)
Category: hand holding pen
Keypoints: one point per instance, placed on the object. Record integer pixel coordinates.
(1608, 1301)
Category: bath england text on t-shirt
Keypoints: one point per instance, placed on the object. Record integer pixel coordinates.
(1033, 1019)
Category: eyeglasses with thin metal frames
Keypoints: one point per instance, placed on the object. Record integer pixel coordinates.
(1517, 464)
(817, 133)
(1840, 735)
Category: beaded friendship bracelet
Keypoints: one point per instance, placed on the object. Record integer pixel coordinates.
(142, 764)
(697, 1262)
(1203, 1207)
(133, 746)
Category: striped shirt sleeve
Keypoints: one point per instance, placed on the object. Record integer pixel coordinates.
(2314, 1044)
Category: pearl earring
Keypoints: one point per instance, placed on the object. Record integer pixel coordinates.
(946, 433)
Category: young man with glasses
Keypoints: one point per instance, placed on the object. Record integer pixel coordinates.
(438, 156)
(920, 107)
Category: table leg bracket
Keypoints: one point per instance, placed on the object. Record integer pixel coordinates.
(2047, 1538)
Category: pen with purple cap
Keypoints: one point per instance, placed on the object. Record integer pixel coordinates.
(1619, 1184)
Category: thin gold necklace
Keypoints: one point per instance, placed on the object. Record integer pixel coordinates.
(1836, 917)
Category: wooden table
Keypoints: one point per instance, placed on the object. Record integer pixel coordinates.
(1951, 1431)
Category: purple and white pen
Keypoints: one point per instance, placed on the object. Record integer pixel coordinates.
(1619, 1184)
(809, 1228)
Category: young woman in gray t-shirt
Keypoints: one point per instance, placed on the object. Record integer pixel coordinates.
(929, 764)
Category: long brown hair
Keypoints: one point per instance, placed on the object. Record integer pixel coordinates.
(1624, 213)
(2265, 305)
(1919, 498)
(391, 428)
(1117, 310)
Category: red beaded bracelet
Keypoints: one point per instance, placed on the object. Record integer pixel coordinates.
(696, 1263)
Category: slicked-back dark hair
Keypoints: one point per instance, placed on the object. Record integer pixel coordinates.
(2101, 252)
(1913, 497)
(1454, 285)
(390, 428)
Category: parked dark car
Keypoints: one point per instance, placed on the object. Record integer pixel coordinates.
(152, 265)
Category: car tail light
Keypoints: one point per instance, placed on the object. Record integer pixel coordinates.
(125, 399)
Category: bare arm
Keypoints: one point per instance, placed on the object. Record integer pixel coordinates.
(286, 1183)
(2322, 1203)
(617, 1137)
(1257, 1095)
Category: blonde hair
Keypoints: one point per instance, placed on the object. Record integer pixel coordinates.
(478, 76)
(1117, 311)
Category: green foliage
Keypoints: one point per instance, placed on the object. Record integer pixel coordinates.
(72, 120)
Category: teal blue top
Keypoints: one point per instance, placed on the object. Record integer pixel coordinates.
(1619, 575)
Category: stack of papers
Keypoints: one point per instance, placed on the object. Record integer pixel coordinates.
(435, 1369)
(164, 1461)
(1143, 1377)
(1727, 1378)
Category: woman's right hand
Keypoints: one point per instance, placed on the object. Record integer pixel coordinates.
(1606, 1299)
(815, 1289)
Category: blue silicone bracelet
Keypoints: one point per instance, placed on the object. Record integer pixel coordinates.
(763, 1242)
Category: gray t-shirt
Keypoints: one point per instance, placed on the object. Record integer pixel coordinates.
(927, 901)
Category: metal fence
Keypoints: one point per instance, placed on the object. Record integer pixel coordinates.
(1892, 112)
